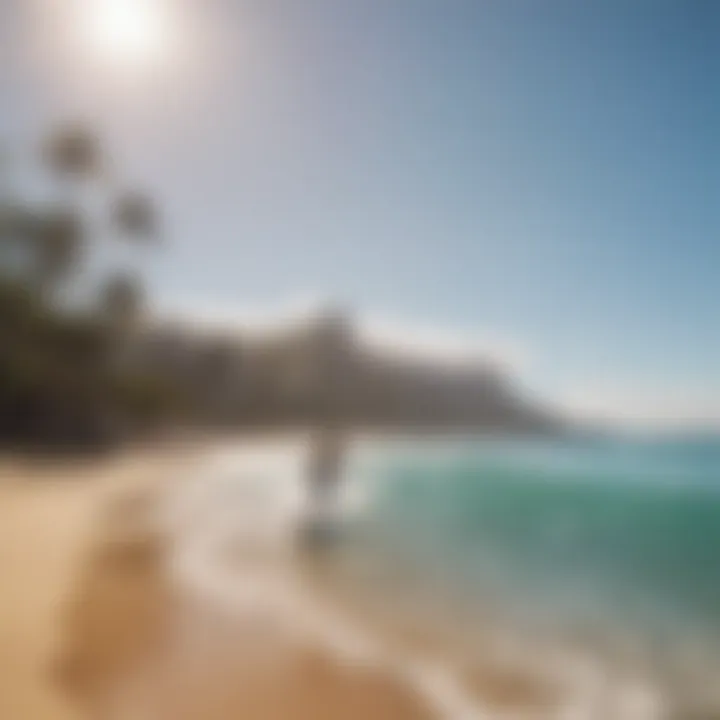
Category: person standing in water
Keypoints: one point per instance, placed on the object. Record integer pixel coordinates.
(333, 344)
(326, 466)
(323, 477)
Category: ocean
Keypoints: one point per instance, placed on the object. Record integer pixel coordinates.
(602, 554)
(568, 579)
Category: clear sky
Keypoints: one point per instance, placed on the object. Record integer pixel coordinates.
(547, 173)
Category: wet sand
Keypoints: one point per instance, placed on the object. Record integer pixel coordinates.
(142, 649)
(92, 624)
(48, 524)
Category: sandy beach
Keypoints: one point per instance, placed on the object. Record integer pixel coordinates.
(50, 515)
(94, 626)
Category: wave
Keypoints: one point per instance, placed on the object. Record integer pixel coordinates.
(587, 567)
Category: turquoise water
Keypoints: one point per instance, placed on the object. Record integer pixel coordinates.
(616, 541)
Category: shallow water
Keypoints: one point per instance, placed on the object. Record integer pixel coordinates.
(536, 579)
(600, 553)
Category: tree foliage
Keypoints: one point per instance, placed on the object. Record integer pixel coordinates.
(60, 382)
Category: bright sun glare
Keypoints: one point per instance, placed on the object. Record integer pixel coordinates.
(126, 32)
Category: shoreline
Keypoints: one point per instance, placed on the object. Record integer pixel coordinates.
(142, 642)
(169, 584)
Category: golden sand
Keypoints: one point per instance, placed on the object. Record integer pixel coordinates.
(92, 627)
(49, 515)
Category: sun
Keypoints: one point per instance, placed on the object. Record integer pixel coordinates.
(126, 32)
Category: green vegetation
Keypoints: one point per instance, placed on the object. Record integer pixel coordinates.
(63, 379)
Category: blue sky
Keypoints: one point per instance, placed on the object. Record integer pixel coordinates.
(542, 172)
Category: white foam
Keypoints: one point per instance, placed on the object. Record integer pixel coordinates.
(249, 501)
(252, 498)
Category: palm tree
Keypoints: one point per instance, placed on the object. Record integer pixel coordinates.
(134, 214)
(58, 238)
(121, 301)
(48, 377)
(13, 222)
(73, 152)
